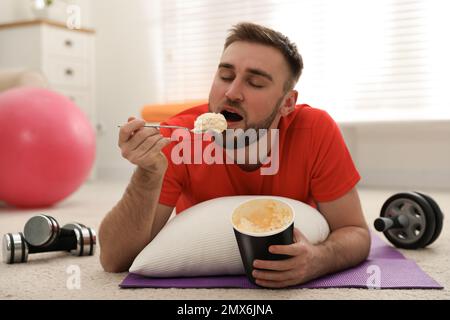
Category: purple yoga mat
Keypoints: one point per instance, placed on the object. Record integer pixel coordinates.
(385, 268)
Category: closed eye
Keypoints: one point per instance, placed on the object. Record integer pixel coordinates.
(255, 85)
(227, 79)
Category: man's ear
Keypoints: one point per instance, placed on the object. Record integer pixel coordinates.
(289, 103)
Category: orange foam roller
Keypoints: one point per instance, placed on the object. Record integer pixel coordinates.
(162, 112)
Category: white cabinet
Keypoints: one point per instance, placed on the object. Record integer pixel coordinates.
(64, 56)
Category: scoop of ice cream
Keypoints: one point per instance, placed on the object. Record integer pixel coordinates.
(262, 215)
(210, 121)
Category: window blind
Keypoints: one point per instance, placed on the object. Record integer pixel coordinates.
(360, 56)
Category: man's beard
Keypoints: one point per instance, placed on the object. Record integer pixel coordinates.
(263, 125)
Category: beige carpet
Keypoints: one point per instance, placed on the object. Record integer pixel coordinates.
(45, 276)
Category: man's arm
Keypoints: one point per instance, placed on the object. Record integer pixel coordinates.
(347, 245)
(137, 217)
(132, 223)
(349, 240)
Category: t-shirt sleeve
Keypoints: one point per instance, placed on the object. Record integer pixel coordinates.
(333, 172)
(174, 177)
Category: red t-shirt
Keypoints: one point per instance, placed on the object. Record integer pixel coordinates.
(314, 165)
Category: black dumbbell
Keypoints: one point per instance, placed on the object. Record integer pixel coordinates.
(43, 234)
(410, 220)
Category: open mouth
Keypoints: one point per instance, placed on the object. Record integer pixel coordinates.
(231, 116)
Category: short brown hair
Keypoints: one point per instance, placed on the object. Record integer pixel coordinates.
(252, 32)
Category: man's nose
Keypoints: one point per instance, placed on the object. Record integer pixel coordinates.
(234, 91)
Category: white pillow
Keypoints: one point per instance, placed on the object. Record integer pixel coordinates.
(200, 241)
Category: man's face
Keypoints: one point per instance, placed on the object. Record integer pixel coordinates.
(248, 87)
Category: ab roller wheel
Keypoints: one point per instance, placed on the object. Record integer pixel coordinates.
(410, 220)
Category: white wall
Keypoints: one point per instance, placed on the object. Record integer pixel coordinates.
(13, 10)
(127, 42)
(401, 155)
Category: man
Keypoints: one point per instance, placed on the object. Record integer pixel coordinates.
(253, 89)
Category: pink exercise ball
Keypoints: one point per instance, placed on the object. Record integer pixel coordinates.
(47, 147)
